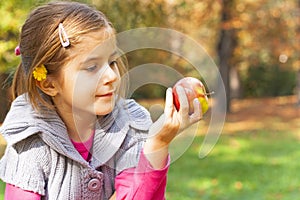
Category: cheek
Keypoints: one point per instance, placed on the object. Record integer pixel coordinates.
(84, 90)
(79, 89)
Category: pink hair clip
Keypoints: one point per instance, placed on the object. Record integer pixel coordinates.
(17, 51)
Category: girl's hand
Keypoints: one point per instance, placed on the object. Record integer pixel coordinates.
(172, 122)
(164, 130)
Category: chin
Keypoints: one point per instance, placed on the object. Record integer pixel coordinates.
(104, 109)
(103, 112)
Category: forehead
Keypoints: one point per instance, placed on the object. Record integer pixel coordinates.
(95, 44)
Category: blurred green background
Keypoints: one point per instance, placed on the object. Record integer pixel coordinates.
(256, 44)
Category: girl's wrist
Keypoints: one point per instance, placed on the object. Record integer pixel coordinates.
(155, 144)
(156, 152)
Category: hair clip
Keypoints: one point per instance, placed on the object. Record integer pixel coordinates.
(40, 73)
(64, 40)
(17, 51)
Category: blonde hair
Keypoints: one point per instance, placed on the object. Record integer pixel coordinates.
(40, 44)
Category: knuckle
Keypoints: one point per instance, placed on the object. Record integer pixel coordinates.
(171, 125)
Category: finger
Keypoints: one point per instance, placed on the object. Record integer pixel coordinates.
(183, 100)
(197, 114)
(169, 107)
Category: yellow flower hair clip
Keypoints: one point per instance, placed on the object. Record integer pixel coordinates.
(40, 73)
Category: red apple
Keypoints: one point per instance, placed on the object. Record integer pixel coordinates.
(193, 88)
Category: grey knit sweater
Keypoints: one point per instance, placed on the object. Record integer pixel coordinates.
(41, 158)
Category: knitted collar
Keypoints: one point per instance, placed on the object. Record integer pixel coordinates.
(23, 121)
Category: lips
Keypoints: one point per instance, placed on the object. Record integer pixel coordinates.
(109, 94)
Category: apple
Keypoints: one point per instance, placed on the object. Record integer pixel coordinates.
(193, 88)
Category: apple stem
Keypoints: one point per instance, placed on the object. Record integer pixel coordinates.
(209, 93)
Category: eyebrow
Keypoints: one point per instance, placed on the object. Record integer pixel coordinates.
(97, 58)
(114, 54)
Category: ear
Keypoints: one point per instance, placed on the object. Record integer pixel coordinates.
(48, 86)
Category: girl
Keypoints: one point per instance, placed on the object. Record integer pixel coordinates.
(70, 135)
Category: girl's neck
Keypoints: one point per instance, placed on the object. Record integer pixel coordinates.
(80, 126)
(80, 135)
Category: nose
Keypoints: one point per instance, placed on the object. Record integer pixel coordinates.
(109, 75)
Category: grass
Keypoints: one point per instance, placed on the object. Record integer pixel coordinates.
(250, 165)
(256, 157)
(2, 187)
(2, 149)
(259, 165)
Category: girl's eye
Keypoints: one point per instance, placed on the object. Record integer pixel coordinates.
(113, 64)
(91, 68)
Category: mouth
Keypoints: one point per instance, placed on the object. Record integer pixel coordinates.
(109, 94)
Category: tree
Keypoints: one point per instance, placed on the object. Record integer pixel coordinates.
(298, 41)
(226, 45)
(266, 37)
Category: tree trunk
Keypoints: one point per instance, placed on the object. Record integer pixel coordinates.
(298, 73)
(226, 46)
(235, 84)
(298, 87)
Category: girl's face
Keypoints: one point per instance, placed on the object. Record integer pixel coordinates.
(89, 81)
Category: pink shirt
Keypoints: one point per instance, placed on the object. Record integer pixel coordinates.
(141, 182)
